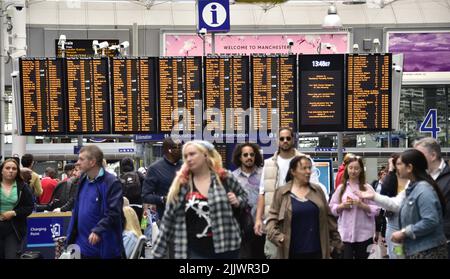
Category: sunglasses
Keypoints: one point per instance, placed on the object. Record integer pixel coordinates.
(248, 154)
(285, 138)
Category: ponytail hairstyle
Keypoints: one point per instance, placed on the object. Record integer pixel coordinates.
(346, 177)
(184, 175)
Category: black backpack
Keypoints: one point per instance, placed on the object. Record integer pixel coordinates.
(131, 186)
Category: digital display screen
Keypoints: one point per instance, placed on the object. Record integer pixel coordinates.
(274, 87)
(321, 92)
(133, 87)
(83, 48)
(226, 92)
(180, 94)
(42, 99)
(88, 109)
(369, 92)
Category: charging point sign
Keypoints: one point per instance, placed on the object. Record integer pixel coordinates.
(213, 15)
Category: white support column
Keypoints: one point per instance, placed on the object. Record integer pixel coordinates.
(17, 49)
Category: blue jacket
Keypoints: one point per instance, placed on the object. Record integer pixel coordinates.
(110, 226)
(421, 216)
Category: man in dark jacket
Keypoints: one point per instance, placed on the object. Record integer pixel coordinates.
(160, 175)
(439, 170)
(97, 218)
(63, 195)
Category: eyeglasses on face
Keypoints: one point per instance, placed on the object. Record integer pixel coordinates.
(248, 154)
(285, 138)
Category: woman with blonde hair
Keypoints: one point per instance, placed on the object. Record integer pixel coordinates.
(199, 219)
(132, 230)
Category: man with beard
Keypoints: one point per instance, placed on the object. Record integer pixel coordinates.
(247, 157)
(273, 176)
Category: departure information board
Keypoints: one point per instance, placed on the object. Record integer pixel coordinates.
(227, 90)
(133, 87)
(83, 48)
(180, 92)
(221, 148)
(274, 86)
(369, 92)
(42, 84)
(321, 92)
(87, 96)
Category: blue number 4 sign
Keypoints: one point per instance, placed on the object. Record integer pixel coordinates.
(429, 124)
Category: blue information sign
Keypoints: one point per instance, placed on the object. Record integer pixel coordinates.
(324, 167)
(42, 231)
(213, 15)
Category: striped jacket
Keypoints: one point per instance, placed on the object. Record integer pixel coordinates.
(225, 228)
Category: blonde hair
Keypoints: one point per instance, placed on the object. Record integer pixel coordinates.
(131, 221)
(213, 160)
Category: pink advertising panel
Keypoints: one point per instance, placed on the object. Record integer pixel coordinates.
(246, 44)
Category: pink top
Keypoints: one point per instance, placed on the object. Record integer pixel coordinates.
(354, 225)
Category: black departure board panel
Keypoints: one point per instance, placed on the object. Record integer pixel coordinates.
(274, 87)
(133, 87)
(221, 148)
(321, 93)
(42, 84)
(87, 96)
(180, 93)
(369, 92)
(227, 90)
(83, 48)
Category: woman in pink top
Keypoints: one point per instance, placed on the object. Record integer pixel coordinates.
(356, 223)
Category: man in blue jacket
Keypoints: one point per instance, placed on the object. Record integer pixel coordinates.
(96, 224)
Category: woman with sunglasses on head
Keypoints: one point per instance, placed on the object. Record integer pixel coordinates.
(300, 222)
(16, 203)
(199, 219)
(356, 222)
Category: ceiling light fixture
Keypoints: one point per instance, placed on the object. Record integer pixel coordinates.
(332, 19)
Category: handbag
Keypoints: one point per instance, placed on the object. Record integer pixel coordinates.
(243, 215)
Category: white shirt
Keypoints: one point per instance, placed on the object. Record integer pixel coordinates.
(436, 174)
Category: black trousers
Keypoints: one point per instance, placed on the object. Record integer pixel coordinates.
(357, 250)
(10, 246)
(253, 248)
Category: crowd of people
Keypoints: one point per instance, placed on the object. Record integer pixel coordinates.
(199, 205)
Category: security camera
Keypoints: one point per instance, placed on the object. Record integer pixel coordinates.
(327, 45)
(376, 41)
(125, 44)
(396, 68)
(290, 42)
(62, 40)
(103, 44)
(18, 6)
(95, 44)
(202, 31)
(355, 47)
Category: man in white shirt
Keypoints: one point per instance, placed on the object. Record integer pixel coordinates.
(439, 170)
